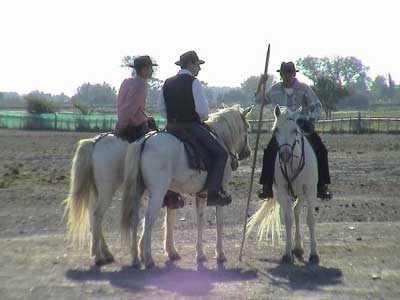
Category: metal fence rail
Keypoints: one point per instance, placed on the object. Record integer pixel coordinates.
(355, 125)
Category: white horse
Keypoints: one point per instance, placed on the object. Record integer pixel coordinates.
(161, 164)
(97, 172)
(296, 176)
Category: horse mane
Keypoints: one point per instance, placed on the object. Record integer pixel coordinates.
(228, 125)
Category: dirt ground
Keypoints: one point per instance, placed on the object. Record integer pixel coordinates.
(358, 233)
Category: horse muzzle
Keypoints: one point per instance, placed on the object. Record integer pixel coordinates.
(285, 155)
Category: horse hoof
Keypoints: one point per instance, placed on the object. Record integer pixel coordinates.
(221, 258)
(150, 265)
(104, 261)
(298, 253)
(136, 264)
(201, 258)
(174, 256)
(287, 259)
(314, 259)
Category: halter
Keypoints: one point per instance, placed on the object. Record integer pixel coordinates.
(283, 166)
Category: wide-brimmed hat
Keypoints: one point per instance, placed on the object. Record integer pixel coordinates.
(187, 57)
(143, 60)
(287, 68)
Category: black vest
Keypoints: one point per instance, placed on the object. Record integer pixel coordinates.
(179, 101)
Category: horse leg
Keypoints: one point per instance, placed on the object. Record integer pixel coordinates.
(298, 245)
(220, 223)
(100, 250)
(314, 256)
(200, 204)
(134, 225)
(155, 204)
(287, 209)
(169, 246)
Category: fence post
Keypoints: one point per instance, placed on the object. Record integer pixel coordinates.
(55, 121)
(359, 123)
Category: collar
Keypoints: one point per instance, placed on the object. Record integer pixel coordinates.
(185, 71)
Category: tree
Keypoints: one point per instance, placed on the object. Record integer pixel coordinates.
(379, 88)
(95, 94)
(231, 96)
(347, 72)
(249, 86)
(329, 92)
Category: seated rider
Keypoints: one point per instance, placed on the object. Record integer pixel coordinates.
(133, 121)
(183, 102)
(293, 94)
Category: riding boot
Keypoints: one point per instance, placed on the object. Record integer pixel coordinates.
(265, 192)
(323, 192)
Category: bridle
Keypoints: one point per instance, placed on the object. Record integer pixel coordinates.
(283, 166)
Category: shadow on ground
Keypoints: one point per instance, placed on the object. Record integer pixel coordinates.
(300, 276)
(186, 282)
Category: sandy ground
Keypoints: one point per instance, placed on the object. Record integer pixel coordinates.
(358, 233)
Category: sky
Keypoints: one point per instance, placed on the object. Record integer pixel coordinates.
(56, 46)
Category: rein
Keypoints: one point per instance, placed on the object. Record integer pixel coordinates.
(299, 167)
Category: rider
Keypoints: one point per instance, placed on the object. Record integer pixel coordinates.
(293, 94)
(133, 121)
(184, 104)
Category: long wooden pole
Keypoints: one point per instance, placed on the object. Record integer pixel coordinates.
(255, 154)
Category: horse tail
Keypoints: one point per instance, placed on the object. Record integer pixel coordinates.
(82, 191)
(130, 197)
(268, 220)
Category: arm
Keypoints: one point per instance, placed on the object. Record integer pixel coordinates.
(314, 104)
(200, 101)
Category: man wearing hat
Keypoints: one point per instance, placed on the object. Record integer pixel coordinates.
(184, 104)
(294, 94)
(133, 121)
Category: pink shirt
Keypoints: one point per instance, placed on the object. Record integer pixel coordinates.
(131, 105)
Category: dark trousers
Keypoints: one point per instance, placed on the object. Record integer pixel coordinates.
(267, 173)
(217, 152)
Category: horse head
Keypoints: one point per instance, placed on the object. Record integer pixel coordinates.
(286, 131)
(232, 127)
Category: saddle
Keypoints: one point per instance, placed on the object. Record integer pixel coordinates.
(198, 156)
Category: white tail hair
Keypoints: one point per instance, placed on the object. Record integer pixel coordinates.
(268, 220)
(82, 192)
(130, 199)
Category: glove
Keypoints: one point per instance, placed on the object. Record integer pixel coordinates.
(306, 126)
(152, 124)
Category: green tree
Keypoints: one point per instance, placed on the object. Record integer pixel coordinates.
(249, 86)
(95, 94)
(329, 92)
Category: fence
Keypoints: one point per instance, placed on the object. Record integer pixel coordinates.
(62, 121)
(102, 123)
(355, 125)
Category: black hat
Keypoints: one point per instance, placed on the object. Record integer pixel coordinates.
(187, 57)
(287, 68)
(143, 60)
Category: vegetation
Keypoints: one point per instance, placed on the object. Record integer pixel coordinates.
(37, 104)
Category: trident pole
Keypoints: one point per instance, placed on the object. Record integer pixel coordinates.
(255, 155)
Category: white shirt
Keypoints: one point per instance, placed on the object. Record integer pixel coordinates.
(200, 101)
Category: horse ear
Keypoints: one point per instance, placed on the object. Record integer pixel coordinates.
(224, 105)
(277, 111)
(248, 110)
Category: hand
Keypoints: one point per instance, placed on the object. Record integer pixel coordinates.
(263, 79)
(152, 123)
(306, 126)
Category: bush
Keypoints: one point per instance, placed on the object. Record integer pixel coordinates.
(36, 104)
(83, 108)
